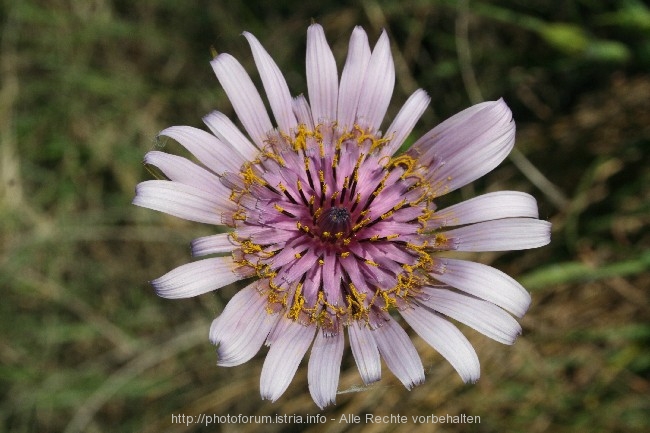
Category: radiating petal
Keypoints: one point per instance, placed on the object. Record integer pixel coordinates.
(497, 235)
(227, 131)
(242, 327)
(491, 206)
(196, 278)
(484, 282)
(214, 244)
(207, 148)
(446, 339)
(184, 171)
(352, 77)
(325, 367)
(285, 354)
(300, 267)
(399, 353)
(182, 201)
(281, 327)
(405, 121)
(322, 77)
(244, 97)
(466, 146)
(303, 112)
(275, 86)
(365, 352)
(483, 316)
(378, 86)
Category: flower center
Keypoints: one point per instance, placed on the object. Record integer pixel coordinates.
(334, 223)
(331, 227)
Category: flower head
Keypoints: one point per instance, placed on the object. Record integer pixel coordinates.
(334, 230)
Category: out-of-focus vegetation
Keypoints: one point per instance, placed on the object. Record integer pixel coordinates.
(86, 85)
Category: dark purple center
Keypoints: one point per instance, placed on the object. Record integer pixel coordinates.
(335, 220)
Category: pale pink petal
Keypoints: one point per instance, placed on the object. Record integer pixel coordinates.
(244, 97)
(484, 282)
(182, 201)
(241, 329)
(325, 367)
(303, 112)
(184, 171)
(399, 353)
(446, 339)
(483, 316)
(214, 244)
(196, 278)
(227, 131)
(275, 86)
(285, 354)
(322, 77)
(281, 327)
(365, 352)
(456, 121)
(497, 235)
(405, 121)
(207, 148)
(466, 146)
(491, 206)
(377, 86)
(352, 77)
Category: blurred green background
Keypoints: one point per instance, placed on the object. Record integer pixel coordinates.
(86, 85)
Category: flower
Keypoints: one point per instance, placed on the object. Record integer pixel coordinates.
(335, 230)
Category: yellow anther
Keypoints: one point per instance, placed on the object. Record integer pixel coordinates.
(275, 157)
(389, 301)
(297, 304)
(300, 141)
(250, 177)
(440, 240)
(356, 167)
(360, 224)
